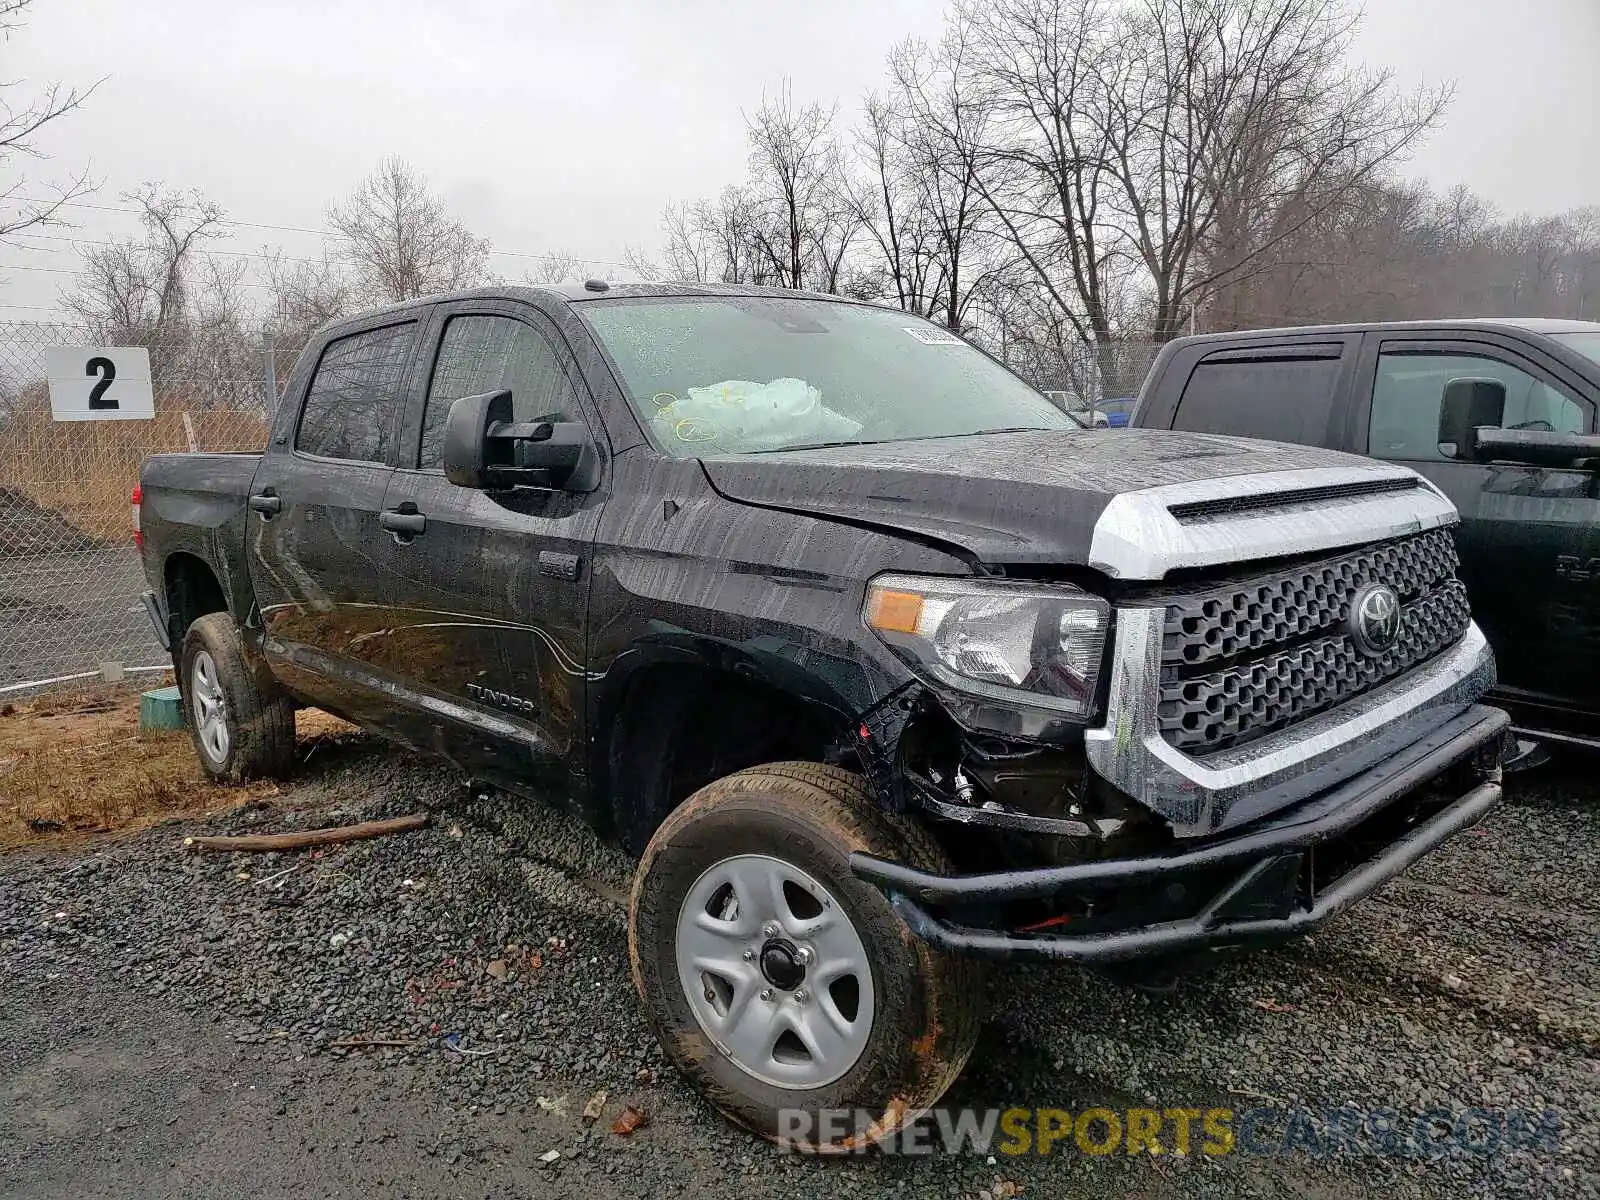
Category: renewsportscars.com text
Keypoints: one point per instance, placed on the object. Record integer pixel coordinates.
(1190, 1130)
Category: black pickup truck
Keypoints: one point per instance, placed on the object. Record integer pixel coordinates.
(1498, 414)
(879, 661)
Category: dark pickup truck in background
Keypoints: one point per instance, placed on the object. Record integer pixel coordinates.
(1527, 487)
(878, 660)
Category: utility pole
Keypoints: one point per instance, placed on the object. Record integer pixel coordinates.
(269, 362)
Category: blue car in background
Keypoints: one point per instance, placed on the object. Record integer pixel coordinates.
(1113, 412)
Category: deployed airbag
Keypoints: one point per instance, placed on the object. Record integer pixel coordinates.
(739, 416)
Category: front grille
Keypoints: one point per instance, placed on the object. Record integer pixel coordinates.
(1254, 656)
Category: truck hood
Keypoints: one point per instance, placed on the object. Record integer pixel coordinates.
(1035, 496)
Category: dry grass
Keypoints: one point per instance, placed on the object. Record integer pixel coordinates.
(73, 767)
(85, 470)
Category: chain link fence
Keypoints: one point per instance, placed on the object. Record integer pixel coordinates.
(70, 576)
(1079, 375)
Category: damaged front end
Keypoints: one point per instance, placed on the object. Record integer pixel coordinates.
(1090, 875)
(1100, 826)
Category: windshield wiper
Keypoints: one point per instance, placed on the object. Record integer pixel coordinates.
(823, 445)
(927, 437)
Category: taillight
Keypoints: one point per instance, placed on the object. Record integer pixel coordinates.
(136, 500)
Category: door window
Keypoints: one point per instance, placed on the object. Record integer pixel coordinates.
(482, 353)
(1409, 391)
(1281, 399)
(353, 393)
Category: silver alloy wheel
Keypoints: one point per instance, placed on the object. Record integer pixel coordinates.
(774, 971)
(210, 709)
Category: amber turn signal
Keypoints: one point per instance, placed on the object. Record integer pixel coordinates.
(894, 612)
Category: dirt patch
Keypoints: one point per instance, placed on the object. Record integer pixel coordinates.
(29, 528)
(76, 767)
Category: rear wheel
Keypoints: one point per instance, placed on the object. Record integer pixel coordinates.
(786, 989)
(241, 728)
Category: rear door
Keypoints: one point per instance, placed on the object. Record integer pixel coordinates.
(492, 599)
(320, 561)
(1530, 536)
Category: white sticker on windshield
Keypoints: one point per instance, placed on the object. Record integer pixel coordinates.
(929, 336)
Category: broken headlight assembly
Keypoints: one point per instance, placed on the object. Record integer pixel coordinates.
(1034, 644)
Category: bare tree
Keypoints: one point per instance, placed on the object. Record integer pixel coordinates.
(305, 295)
(941, 146)
(1041, 70)
(641, 264)
(21, 120)
(716, 241)
(165, 291)
(690, 252)
(1141, 155)
(1251, 103)
(887, 200)
(400, 240)
(803, 223)
(558, 266)
(138, 291)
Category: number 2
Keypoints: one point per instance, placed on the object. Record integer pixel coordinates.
(107, 371)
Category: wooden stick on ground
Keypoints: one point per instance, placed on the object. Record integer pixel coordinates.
(310, 837)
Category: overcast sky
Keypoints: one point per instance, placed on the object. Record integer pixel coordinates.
(569, 125)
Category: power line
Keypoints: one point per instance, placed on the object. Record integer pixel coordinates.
(324, 233)
(109, 242)
(137, 212)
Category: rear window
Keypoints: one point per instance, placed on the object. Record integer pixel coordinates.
(352, 396)
(1280, 399)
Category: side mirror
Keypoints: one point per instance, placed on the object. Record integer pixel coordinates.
(1468, 406)
(1538, 448)
(484, 448)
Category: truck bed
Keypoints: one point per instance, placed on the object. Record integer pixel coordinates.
(195, 504)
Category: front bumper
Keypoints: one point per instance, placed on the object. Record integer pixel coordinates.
(1256, 884)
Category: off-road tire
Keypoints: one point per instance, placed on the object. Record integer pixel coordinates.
(927, 1005)
(260, 719)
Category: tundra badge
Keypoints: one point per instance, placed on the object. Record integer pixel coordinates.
(501, 699)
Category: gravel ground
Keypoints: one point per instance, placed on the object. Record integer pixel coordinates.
(169, 1022)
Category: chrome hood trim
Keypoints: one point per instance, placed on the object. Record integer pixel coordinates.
(1138, 537)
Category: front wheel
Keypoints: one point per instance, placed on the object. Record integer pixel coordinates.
(786, 989)
(241, 728)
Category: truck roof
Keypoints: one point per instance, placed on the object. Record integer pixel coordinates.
(577, 293)
(1531, 324)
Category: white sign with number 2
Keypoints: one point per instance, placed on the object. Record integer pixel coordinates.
(99, 383)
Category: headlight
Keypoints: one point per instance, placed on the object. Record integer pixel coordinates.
(1031, 644)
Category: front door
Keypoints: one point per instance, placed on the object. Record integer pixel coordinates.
(319, 556)
(1529, 538)
(492, 599)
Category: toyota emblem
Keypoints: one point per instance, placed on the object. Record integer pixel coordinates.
(1375, 618)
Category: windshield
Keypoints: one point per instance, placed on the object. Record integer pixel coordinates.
(748, 375)
(1587, 344)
